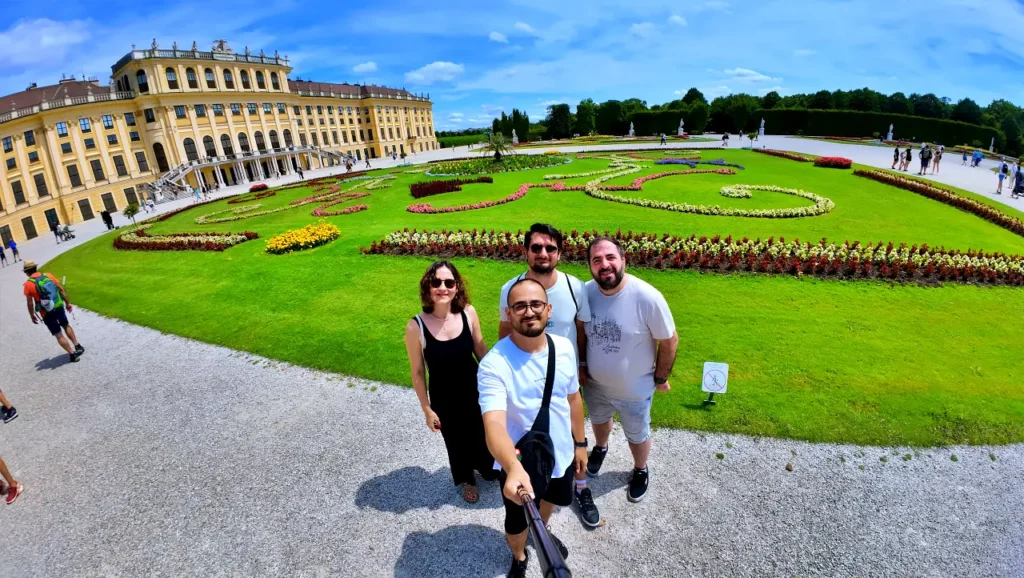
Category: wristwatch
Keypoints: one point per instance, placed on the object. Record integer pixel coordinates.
(581, 444)
(660, 380)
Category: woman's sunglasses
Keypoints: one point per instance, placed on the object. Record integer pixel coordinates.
(436, 283)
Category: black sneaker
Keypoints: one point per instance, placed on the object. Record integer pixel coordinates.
(518, 569)
(558, 544)
(596, 459)
(74, 357)
(588, 510)
(79, 349)
(10, 414)
(637, 485)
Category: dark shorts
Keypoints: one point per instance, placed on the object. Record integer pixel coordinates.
(559, 493)
(55, 320)
(924, 163)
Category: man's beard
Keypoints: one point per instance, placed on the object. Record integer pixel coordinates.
(542, 268)
(608, 285)
(526, 332)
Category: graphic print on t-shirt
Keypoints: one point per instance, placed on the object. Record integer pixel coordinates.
(606, 334)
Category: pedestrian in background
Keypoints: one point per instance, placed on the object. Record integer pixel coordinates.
(47, 299)
(15, 257)
(895, 157)
(13, 487)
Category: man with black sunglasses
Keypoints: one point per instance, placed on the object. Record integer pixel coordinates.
(569, 311)
(529, 396)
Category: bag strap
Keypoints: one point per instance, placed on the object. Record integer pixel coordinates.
(423, 339)
(571, 293)
(542, 423)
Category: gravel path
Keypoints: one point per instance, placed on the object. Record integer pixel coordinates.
(161, 455)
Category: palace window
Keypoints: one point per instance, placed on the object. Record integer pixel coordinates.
(334, 136)
(268, 108)
(30, 138)
(218, 110)
(133, 136)
(76, 179)
(62, 129)
(190, 76)
(245, 79)
(19, 193)
(172, 79)
(200, 109)
(150, 116)
(251, 107)
(12, 164)
(309, 109)
(316, 139)
(274, 82)
(190, 150)
(85, 125)
(211, 78)
(111, 139)
(280, 107)
(41, 189)
(225, 145)
(140, 79)
(108, 121)
(179, 111)
(236, 109)
(260, 83)
(129, 118)
(229, 82)
(97, 170)
(140, 158)
(89, 143)
(319, 110)
(295, 109)
(122, 171)
(65, 148)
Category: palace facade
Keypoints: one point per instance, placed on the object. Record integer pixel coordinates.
(174, 117)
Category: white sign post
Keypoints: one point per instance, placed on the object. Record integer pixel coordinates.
(715, 379)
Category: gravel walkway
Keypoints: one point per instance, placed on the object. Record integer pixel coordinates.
(161, 455)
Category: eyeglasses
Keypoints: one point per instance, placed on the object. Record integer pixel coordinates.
(519, 307)
(536, 248)
(436, 283)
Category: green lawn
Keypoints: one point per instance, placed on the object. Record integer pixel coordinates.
(837, 361)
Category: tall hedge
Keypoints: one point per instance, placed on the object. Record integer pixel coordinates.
(649, 122)
(858, 123)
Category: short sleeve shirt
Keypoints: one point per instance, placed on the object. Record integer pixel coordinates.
(32, 291)
(568, 303)
(622, 338)
(512, 380)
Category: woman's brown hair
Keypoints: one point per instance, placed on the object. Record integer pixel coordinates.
(461, 299)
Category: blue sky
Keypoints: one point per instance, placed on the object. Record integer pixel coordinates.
(478, 58)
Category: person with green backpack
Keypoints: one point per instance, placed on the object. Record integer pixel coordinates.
(47, 299)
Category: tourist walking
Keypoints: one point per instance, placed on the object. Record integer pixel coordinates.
(445, 344)
(46, 298)
(925, 155)
(15, 256)
(3, 257)
(368, 162)
(965, 159)
(725, 140)
(13, 488)
(908, 157)
(895, 157)
(631, 348)
(569, 311)
(937, 159)
(55, 229)
(529, 387)
(663, 141)
(1002, 175)
(8, 412)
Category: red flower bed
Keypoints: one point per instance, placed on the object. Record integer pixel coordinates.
(783, 154)
(852, 261)
(258, 187)
(264, 193)
(833, 162)
(322, 211)
(428, 188)
(987, 212)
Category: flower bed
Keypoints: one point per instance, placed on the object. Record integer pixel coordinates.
(379, 183)
(946, 196)
(322, 211)
(305, 238)
(783, 154)
(727, 255)
(238, 214)
(136, 239)
(833, 162)
(694, 162)
(509, 163)
(821, 205)
(169, 214)
(258, 187)
(259, 195)
(428, 188)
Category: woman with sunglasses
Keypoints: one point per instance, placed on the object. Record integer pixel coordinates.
(445, 341)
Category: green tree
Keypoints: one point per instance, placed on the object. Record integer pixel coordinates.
(927, 105)
(586, 117)
(523, 128)
(821, 99)
(1012, 131)
(770, 100)
(631, 105)
(897, 103)
(697, 120)
(496, 126)
(499, 145)
(840, 100)
(693, 95)
(130, 211)
(865, 99)
(610, 119)
(559, 121)
(967, 110)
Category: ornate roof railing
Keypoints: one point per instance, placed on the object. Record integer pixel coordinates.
(197, 55)
(63, 102)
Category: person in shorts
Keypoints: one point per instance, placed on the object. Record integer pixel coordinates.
(15, 257)
(631, 348)
(3, 257)
(511, 381)
(895, 157)
(47, 299)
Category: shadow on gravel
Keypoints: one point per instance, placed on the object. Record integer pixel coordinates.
(53, 362)
(414, 487)
(469, 550)
(609, 482)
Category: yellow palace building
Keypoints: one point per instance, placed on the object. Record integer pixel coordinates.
(171, 118)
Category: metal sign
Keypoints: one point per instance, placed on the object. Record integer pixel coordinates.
(716, 377)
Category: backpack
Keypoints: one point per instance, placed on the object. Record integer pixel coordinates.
(49, 295)
(536, 449)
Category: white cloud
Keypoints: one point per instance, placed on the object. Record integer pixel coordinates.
(365, 67)
(498, 37)
(803, 52)
(677, 19)
(525, 28)
(766, 90)
(435, 72)
(454, 115)
(747, 75)
(642, 29)
(41, 41)
(713, 92)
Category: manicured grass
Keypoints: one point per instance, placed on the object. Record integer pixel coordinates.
(860, 362)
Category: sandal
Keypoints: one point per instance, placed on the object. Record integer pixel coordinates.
(470, 493)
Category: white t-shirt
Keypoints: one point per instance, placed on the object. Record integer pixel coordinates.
(622, 336)
(563, 309)
(512, 380)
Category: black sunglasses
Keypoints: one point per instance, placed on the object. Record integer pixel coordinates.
(537, 247)
(449, 283)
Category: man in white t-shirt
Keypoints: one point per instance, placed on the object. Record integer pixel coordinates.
(631, 347)
(511, 381)
(569, 311)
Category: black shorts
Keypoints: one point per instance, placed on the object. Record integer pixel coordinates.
(55, 320)
(559, 493)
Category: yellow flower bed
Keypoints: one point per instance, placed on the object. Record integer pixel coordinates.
(305, 238)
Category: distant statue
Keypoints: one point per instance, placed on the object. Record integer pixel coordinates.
(247, 51)
(261, 53)
(195, 47)
(174, 46)
(221, 46)
(889, 136)
(762, 125)
(155, 45)
(760, 131)
(631, 133)
(682, 131)
(276, 55)
(515, 137)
